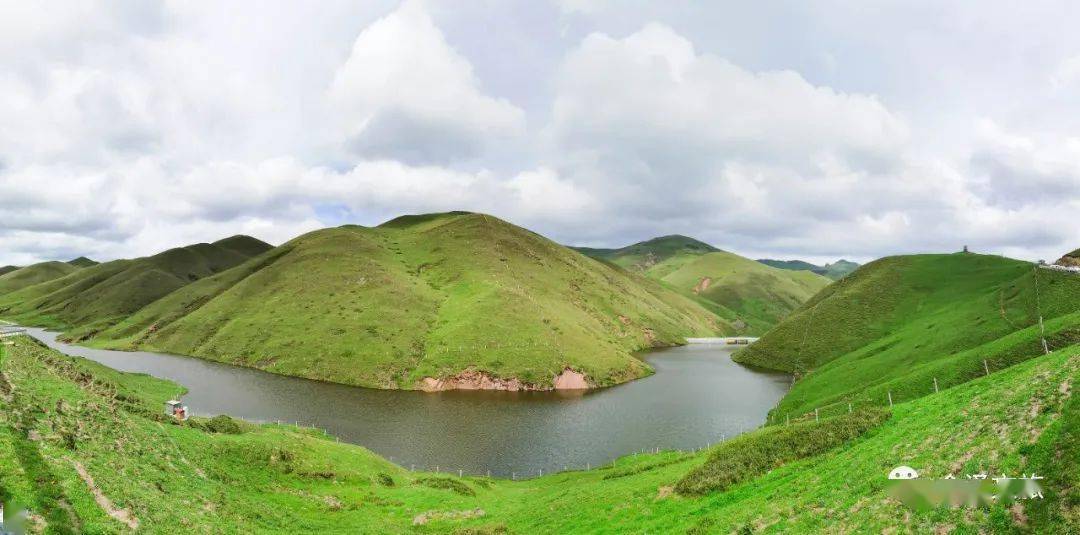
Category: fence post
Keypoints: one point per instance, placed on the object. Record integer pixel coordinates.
(815, 415)
(588, 466)
(513, 476)
(935, 385)
(986, 367)
(849, 407)
(890, 399)
(459, 472)
(787, 420)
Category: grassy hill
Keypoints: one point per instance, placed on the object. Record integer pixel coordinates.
(834, 271)
(644, 255)
(87, 450)
(20, 278)
(759, 295)
(466, 299)
(748, 294)
(82, 261)
(4, 270)
(899, 323)
(85, 300)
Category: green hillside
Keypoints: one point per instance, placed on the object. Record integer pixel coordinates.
(465, 299)
(834, 271)
(748, 294)
(794, 265)
(899, 323)
(89, 299)
(7, 269)
(33, 274)
(88, 451)
(644, 255)
(82, 261)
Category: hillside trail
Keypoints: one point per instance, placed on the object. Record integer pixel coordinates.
(103, 501)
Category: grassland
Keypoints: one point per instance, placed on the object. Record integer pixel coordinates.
(748, 294)
(19, 278)
(82, 262)
(835, 271)
(85, 300)
(440, 296)
(900, 323)
(61, 414)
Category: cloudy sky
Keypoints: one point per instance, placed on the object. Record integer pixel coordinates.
(781, 129)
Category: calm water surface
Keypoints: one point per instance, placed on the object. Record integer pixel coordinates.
(697, 396)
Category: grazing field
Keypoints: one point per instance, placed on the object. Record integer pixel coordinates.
(18, 278)
(86, 300)
(87, 450)
(433, 301)
(835, 271)
(897, 324)
(749, 294)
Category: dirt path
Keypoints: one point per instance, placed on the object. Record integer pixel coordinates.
(122, 515)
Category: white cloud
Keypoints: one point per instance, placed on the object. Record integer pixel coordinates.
(128, 128)
(405, 93)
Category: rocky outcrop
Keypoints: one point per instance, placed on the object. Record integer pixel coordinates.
(1070, 260)
(568, 379)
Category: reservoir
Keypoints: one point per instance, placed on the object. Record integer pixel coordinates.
(698, 396)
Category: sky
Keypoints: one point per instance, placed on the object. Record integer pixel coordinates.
(788, 129)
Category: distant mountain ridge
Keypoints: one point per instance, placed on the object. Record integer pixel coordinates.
(751, 295)
(834, 271)
(82, 261)
(87, 299)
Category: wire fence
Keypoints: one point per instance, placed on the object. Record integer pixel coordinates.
(929, 381)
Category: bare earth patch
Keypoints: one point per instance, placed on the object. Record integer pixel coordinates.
(103, 501)
(428, 516)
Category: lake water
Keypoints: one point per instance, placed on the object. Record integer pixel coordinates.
(697, 396)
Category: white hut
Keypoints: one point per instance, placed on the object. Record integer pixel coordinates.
(176, 409)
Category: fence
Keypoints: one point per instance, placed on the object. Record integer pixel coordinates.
(972, 369)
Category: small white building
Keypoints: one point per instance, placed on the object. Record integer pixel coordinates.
(176, 409)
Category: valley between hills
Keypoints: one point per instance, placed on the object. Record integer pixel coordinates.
(432, 302)
(951, 364)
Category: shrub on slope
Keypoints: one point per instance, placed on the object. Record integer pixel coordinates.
(755, 453)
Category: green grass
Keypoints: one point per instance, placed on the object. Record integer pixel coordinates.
(87, 300)
(898, 323)
(643, 255)
(754, 454)
(19, 278)
(271, 478)
(835, 271)
(420, 296)
(82, 262)
(748, 294)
